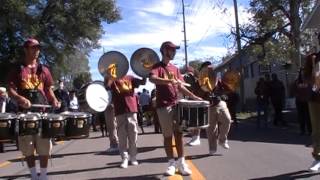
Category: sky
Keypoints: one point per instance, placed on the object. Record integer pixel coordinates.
(148, 23)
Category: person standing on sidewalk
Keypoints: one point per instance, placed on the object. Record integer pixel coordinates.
(168, 81)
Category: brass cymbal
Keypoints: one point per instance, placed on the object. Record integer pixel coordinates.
(113, 64)
(142, 61)
(231, 79)
(207, 79)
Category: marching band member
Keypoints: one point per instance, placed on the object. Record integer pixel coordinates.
(312, 75)
(220, 118)
(167, 79)
(125, 110)
(111, 129)
(31, 75)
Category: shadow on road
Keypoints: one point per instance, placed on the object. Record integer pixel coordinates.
(293, 175)
(143, 177)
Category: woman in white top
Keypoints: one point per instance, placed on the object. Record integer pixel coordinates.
(73, 106)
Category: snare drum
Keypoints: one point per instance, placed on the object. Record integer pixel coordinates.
(93, 97)
(7, 126)
(193, 114)
(29, 124)
(78, 124)
(53, 125)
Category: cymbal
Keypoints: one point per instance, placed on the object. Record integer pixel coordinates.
(113, 64)
(231, 79)
(142, 61)
(207, 79)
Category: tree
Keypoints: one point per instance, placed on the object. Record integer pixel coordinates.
(62, 26)
(81, 79)
(275, 28)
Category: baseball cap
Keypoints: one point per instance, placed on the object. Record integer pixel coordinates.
(168, 44)
(31, 42)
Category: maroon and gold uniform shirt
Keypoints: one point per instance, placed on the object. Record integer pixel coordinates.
(166, 95)
(123, 96)
(26, 78)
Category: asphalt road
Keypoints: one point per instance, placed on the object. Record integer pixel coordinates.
(265, 153)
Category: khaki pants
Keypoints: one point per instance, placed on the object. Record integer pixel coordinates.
(168, 119)
(111, 126)
(29, 143)
(219, 124)
(314, 109)
(128, 134)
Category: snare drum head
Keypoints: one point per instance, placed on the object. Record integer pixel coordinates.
(97, 97)
(4, 116)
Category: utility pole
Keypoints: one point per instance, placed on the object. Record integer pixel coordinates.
(185, 35)
(242, 99)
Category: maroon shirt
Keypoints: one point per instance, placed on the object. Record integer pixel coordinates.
(26, 78)
(166, 95)
(123, 96)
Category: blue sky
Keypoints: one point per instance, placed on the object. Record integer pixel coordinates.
(147, 23)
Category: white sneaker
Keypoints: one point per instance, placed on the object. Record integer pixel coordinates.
(183, 168)
(195, 141)
(133, 161)
(171, 170)
(212, 152)
(315, 166)
(225, 145)
(124, 163)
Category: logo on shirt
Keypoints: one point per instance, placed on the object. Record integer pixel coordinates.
(32, 81)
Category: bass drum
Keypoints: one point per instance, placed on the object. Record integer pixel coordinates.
(93, 97)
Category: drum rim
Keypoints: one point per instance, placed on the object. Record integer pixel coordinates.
(9, 117)
(77, 115)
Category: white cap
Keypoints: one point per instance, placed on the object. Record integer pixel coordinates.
(3, 89)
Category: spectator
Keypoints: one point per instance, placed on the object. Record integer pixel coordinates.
(73, 105)
(277, 96)
(261, 92)
(63, 96)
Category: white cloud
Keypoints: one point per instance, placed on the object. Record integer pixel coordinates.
(149, 23)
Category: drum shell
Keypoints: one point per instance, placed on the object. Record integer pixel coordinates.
(193, 115)
(7, 129)
(29, 124)
(52, 127)
(77, 126)
(28, 127)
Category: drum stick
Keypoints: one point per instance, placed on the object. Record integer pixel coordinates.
(106, 101)
(185, 84)
(41, 106)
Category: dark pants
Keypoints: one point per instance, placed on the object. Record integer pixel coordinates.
(303, 117)
(278, 116)
(262, 107)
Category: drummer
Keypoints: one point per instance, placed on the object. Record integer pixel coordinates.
(125, 111)
(27, 76)
(168, 82)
